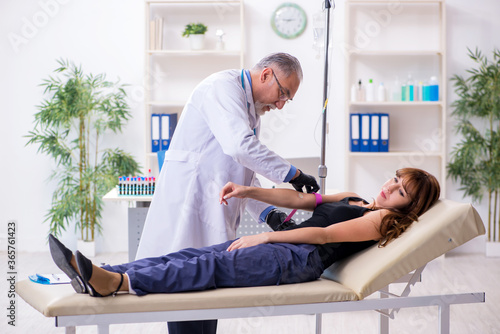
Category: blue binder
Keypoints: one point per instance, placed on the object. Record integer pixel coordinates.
(167, 127)
(365, 133)
(384, 133)
(374, 132)
(355, 132)
(155, 132)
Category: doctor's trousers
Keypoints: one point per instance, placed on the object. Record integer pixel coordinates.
(195, 269)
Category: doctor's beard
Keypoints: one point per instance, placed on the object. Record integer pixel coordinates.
(259, 108)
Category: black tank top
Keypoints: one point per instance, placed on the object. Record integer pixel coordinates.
(327, 214)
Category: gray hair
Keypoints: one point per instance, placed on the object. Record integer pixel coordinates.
(287, 64)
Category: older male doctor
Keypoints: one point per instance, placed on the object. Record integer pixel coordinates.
(216, 141)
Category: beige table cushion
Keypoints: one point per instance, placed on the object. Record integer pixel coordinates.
(58, 300)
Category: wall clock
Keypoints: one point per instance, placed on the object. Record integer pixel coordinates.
(289, 20)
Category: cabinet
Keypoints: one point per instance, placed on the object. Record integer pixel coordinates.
(173, 70)
(385, 41)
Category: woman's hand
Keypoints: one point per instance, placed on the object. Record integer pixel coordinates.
(249, 241)
(232, 190)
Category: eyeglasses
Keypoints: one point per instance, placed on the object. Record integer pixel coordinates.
(284, 95)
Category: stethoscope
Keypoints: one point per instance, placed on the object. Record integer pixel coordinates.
(247, 73)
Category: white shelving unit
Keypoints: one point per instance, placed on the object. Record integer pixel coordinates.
(386, 40)
(173, 71)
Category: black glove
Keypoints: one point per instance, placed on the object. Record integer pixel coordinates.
(304, 180)
(275, 219)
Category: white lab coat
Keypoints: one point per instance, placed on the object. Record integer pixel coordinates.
(214, 142)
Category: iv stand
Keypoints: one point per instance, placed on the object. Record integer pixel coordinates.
(322, 170)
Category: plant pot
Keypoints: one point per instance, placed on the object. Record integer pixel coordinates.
(492, 249)
(197, 41)
(87, 248)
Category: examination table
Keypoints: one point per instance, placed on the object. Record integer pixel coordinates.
(342, 288)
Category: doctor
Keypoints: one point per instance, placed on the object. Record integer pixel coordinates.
(216, 141)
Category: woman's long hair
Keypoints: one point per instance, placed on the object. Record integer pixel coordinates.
(424, 191)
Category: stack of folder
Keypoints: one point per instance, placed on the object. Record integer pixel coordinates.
(162, 129)
(369, 132)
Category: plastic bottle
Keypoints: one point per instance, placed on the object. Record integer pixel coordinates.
(354, 93)
(409, 89)
(404, 93)
(381, 92)
(396, 91)
(425, 91)
(361, 91)
(433, 89)
(420, 91)
(370, 91)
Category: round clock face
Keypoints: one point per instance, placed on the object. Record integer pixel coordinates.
(289, 20)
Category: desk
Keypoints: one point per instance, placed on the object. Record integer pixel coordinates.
(137, 213)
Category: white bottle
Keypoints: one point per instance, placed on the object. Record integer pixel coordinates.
(361, 91)
(370, 91)
(381, 92)
(354, 93)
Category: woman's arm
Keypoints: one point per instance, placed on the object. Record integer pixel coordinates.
(359, 229)
(286, 198)
(337, 197)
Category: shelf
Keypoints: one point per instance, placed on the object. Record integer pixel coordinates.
(397, 104)
(395, 53)
(368, 2)
(234, 53)
(197, 2)
(410, 37)
(395, 154)
(173, 70)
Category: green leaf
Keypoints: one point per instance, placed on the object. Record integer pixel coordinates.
(71, 126)
(475, 160)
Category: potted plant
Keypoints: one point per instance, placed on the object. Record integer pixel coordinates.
(81, 109)
(475, 161)
(196, 34)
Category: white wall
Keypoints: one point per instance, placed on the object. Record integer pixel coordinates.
(469, 24)
(108, 36)
(102, 36)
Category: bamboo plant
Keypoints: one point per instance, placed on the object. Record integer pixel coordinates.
(475, 161)
(70, 126)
